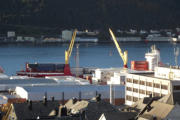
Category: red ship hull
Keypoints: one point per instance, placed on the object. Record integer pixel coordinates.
(33, 70)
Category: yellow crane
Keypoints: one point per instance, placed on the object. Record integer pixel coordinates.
(69, 51)
(124, 55)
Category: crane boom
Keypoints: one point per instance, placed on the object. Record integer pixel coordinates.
(69, 51)
(124, 55)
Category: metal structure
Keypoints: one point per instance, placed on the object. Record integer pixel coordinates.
(77, 60)
(69, 51)
(124, 55)
(176, 53)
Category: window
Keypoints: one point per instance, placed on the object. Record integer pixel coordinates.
(135, 90)
(148, 92)
(177, 87)
(156, 94)
(149, 84)
(165, 87)
(135, 99)
(129, 80)
(128, 97)
(142, 82)
(142, 91)
(156, 85)
(135, 81)
(128, 88)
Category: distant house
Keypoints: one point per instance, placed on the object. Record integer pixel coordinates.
(143, 32)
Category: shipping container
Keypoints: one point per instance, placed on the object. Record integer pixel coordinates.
(139, 65)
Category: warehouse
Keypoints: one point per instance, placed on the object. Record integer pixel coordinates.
(66, 92)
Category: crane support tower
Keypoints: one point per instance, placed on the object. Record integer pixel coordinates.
(124, 55)
(68, 54)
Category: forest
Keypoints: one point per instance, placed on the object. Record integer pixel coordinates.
(52, 16)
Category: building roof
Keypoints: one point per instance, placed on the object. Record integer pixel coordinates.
(174, 114)
(69, 79)
(61, 80)
(159, 109)
(78, 106)
(70, 91)
(168, 99)
(23, 111)
(171, 99)
(117, 115)
(70, 103)
(72, 88)
(148, 117)
(95, 109)
(166, 107)
(27, 81)
(6, 84)
(142, 103)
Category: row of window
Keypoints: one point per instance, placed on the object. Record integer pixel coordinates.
(150, 84)
(130, 98)
(134, 99)
(142, 91)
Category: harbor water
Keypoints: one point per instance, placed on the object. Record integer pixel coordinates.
(14, 57)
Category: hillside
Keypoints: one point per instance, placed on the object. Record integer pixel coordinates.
(51, 16)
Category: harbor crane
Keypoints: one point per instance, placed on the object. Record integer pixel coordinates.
(50, 69)
(69, 51)
(68, 54)
(124, 55)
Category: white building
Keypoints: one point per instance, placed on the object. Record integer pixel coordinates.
(163, 82)
(129, 39)
(154, 31)
(158, 38)
(67, 35)
(29, 39)
(19, 39)
(104, 74)
(120, 76)
(143, 32)
(86, 39)
(11, 34)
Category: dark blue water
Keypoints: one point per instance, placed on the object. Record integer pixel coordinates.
(13, 57)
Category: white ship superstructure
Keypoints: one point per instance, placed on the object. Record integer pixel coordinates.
(153, 58)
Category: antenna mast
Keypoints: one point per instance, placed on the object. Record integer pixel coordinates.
(176, 53)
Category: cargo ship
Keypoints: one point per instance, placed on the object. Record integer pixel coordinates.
(45, 69)
(50, 69)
